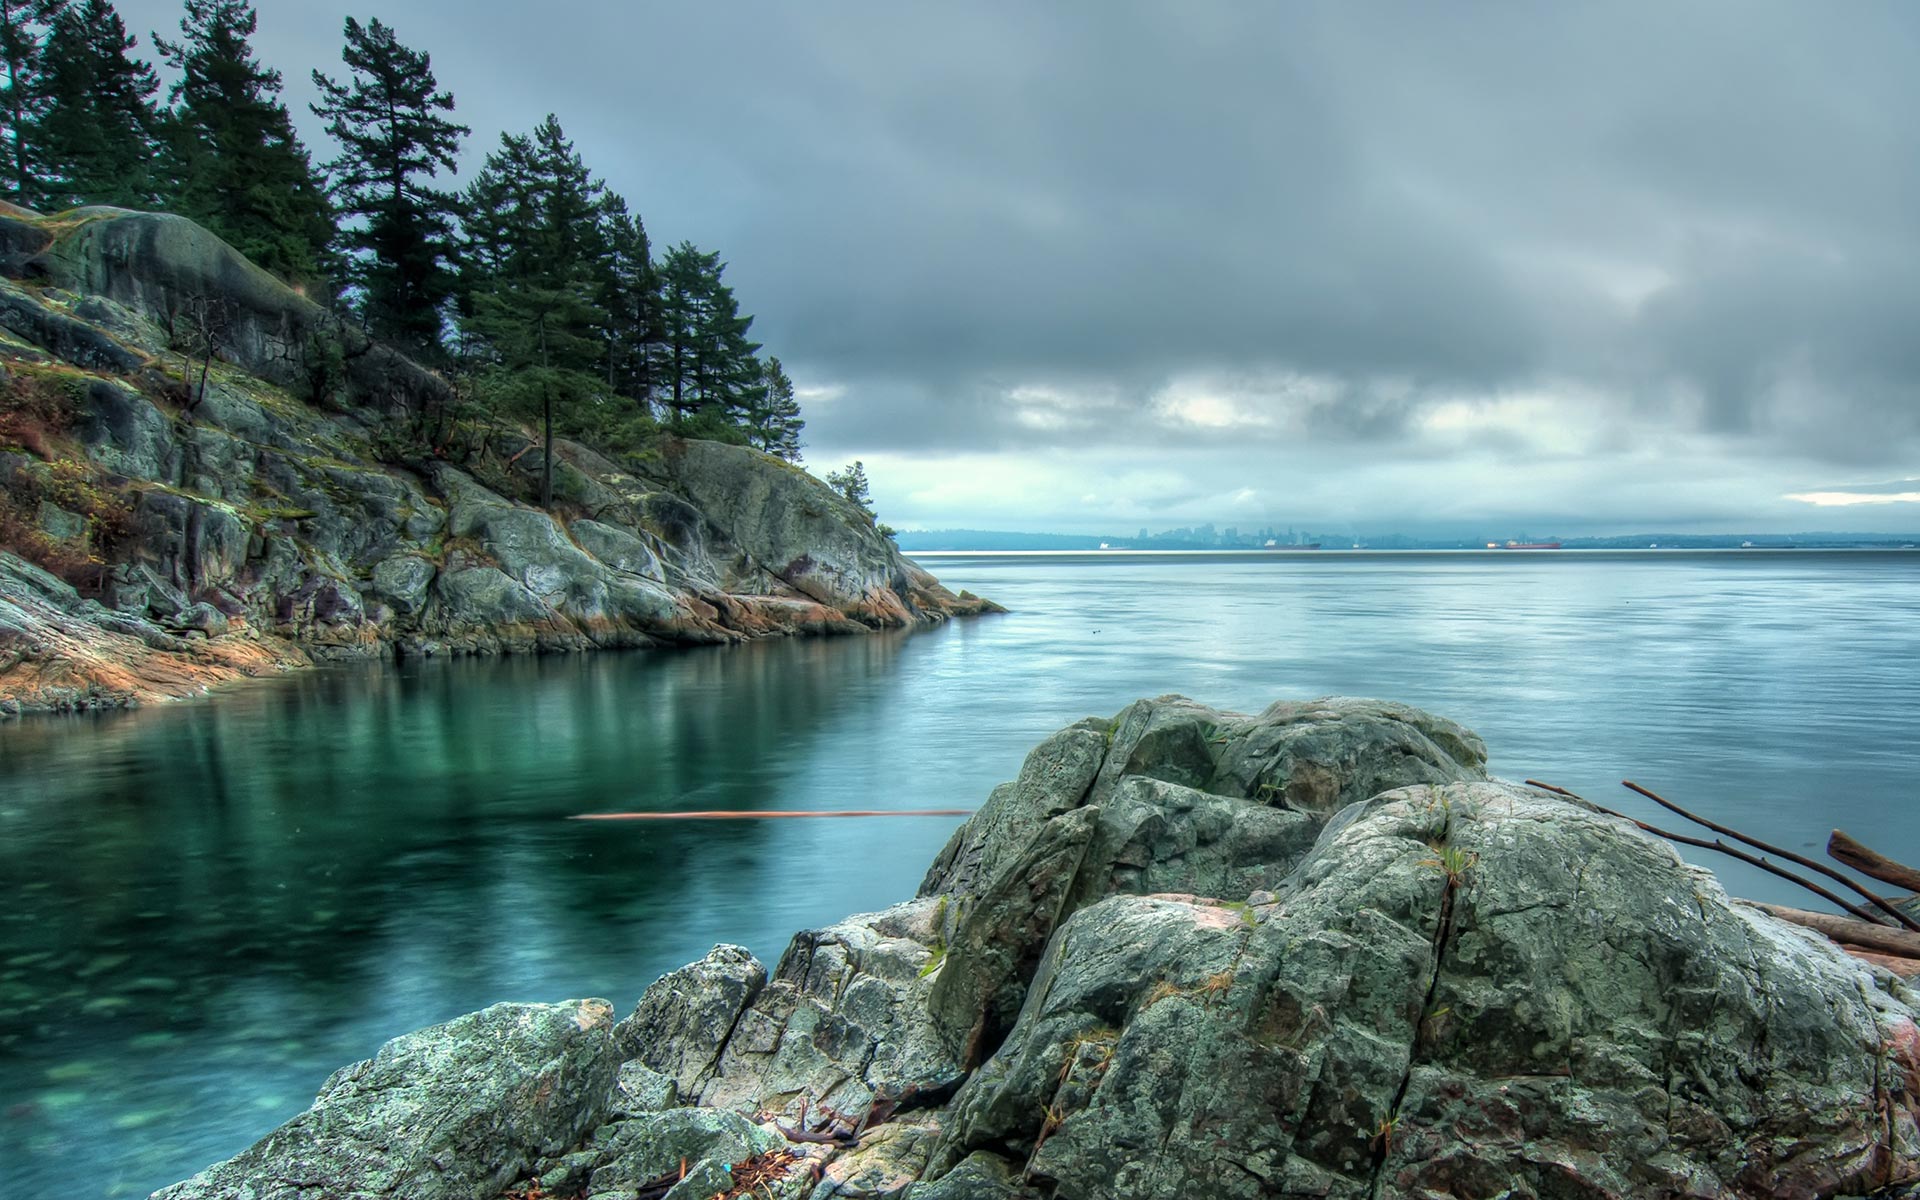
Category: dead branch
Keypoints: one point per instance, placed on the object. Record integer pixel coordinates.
(1790, 856)
(798, 1132)
(1716, 844)
(1865, 934)
(1871, 863)
(1734, 852)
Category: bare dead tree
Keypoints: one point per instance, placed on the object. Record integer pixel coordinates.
(199, 328)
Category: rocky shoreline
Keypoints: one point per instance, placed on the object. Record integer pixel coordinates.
(1313, 952)
(290, 496)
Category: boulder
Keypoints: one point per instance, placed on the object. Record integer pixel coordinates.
(682, 1023)
(843, 1021)
(1169, 796)
(1467, 989)
(624, 1155)
(458, 1110)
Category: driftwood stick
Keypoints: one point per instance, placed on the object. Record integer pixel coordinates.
(1872, 864)
(1905, 968)
(1867, 935)
(1797, 859)
(1865, 917)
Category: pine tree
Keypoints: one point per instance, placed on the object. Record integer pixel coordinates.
(731, 380)
(100, 133)
(775, 426)
(534, 272)
(851, 482)
(388, 119)
(683, 275)
(709, 374)
(237, 165)
(24, 27)
(629, 293)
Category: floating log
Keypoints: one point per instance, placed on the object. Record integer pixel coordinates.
(1797, 859)
(1871, 863)
(1906, 968)
(1876, 938)
(722, 815)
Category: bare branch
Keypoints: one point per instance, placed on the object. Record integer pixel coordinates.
(1790, 856)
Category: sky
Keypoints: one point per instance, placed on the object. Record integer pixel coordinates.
(1100, 265)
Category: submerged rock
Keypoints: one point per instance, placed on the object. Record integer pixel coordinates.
(1314, 952)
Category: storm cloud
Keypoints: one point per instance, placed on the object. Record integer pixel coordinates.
(1094, 265)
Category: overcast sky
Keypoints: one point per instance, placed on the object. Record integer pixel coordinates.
(1093, 266)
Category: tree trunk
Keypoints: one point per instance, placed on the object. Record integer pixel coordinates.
(546, 422)
(546, 451)
(1880, 939)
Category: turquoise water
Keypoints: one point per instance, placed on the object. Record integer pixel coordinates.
(206, 908)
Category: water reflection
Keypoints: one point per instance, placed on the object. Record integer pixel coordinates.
(206, 908)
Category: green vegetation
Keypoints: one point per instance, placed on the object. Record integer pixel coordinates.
(56, 509)
(235, 163)
(851, 483)
(100, 132)
(390, 123)
(534, 289)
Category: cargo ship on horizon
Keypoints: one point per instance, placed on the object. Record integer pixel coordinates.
(1512, 545)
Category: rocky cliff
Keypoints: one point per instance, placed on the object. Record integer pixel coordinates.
(203, 475)
(1310, 953)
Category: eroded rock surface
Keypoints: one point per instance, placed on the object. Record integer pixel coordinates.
(1312, 953)
(310, 498)
(461, 1109)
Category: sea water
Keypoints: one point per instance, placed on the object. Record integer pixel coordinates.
(206, 908)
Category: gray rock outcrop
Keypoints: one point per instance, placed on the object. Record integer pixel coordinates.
(461, 1109)
(1310, 953)
(307, 498)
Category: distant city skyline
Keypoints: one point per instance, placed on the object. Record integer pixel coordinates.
(1232, 538)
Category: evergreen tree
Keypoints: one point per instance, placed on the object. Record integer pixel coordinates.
(775, 426)
(99, 136)
(237, 165)
(683, 275)
(851, 482)
(535, 309)
(729, 371)
(393, 134)
(24, 27)
(708, 368)
(629, 293)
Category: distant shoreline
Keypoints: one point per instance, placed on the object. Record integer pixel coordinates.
(1502, 553)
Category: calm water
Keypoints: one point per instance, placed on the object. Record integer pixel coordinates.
(206, 908)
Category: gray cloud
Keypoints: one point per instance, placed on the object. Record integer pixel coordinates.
(1450, 234)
